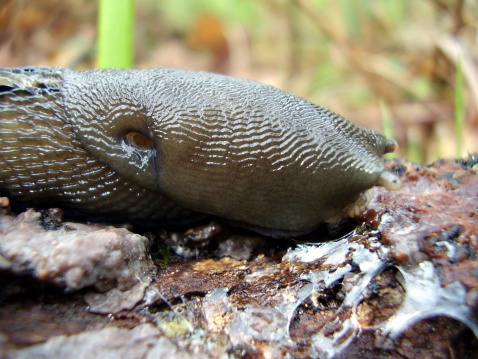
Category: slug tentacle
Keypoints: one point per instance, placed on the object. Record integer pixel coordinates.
(391, 146)
(389, 180)
(163, 143)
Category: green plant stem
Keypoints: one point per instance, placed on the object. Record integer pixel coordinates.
(459, 108)
(115, 33)
(387, 123)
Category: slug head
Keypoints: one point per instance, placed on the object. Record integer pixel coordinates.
(386, 178)
(379, 176)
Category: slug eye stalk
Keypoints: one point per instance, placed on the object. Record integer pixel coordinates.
(389, 180)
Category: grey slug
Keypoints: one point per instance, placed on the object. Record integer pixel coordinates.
(160, 145)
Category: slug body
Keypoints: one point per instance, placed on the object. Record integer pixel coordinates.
(162, 144)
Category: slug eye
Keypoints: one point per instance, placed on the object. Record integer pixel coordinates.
(138, 140)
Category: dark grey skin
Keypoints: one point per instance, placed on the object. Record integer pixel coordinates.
(159, 145)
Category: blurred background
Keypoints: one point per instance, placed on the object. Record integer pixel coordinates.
(406, 68)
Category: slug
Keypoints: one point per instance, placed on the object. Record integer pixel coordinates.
(164, 145)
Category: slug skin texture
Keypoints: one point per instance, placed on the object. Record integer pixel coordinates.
(163, 145)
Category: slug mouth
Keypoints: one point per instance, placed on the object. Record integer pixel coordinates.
(354, 209)
(360, 205)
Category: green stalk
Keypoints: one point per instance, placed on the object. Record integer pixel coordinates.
(387, 124)
(115, 33)
(415, 150)
(352, 11)
(459, 108)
